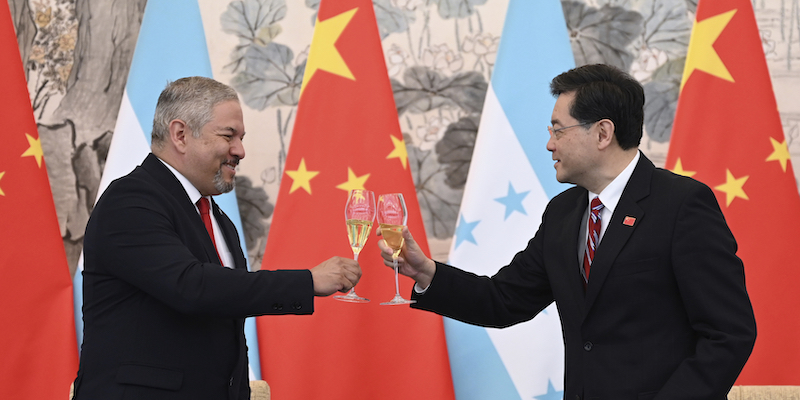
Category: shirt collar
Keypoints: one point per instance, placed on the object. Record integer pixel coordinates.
(611, 194)
(191, 191)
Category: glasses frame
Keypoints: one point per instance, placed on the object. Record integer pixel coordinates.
(555, 132)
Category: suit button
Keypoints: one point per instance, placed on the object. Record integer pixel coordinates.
(277, 306)
(587, 346)
(231, 382)
(296, 305)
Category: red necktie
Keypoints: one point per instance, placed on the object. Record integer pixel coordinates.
(594, 236)
(204, 206)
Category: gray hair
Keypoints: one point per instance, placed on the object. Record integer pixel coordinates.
(191, 100)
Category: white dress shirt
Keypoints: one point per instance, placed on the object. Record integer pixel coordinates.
(194, 195)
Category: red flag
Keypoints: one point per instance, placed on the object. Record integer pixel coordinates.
(727, 133)
(38, 348)
(347, 136)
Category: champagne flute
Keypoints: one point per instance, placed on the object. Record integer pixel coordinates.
(359, 213)
(392, 218)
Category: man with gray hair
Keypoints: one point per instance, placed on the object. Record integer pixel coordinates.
(166, 287)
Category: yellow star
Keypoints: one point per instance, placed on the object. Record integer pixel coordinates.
(1, 177)
(35, 149)
(701, 54)
(323, 53)
(301, 177)
(780, 153)
(733, 188)
(399, 151)
(353, 181)
(680, 171)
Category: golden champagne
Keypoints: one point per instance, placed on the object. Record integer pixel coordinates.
(358, 232)
(393, 236)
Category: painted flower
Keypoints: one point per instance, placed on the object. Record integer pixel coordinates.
(63, 72)
(44, 17)
(483, 45)
(648, 62)
(396, 59)
(442, 58)
(37, 54)
(66, 42)
(426, 136)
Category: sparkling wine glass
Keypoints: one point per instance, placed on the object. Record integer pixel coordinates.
(359, 213)
(392, 218)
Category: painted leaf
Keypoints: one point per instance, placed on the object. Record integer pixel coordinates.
(602, 35)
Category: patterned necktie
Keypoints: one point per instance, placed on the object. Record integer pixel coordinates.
(594, 237)
(205, 207)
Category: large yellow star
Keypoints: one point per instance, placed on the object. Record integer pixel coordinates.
(35, 149)
(301, 177)
(399, 151)
(353, 181)
(680, 171)
(323, 53)
(701, 54)
(1, 177)
(733, 187)
(780, 153)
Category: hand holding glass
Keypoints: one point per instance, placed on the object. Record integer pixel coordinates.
(359, 213)
(392, 217)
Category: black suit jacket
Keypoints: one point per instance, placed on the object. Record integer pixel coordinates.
(162, 319)
(665, 315)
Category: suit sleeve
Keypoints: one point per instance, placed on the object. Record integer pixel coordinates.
(516, 293)
(711, 283)
(139, 238)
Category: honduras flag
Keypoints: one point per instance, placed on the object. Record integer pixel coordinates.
(171, 45)
(511, 178)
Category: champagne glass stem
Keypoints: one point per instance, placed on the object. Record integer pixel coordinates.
(396, 281)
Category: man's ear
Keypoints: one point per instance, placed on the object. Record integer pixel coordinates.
(178, 134)
(606, 130)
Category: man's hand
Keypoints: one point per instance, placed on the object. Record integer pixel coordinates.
(412, 262)
(335, 274)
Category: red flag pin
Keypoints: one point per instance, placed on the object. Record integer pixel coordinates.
(629, 221)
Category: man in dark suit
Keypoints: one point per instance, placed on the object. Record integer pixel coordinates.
(653, 302)
(165, 296)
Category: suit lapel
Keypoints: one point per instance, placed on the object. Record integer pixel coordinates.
(620, 228)
(572, 223)
(230, 235)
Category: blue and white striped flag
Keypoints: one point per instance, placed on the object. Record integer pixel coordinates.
(171, 45)
(510, 180)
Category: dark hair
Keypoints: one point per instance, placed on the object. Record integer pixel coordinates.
(604, 91)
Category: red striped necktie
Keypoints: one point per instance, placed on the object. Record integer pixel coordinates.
(594, 236)
(205, 207)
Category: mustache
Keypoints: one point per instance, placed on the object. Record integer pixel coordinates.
(233, 161)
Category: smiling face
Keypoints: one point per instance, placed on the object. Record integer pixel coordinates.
(574, 149)
(211, 158)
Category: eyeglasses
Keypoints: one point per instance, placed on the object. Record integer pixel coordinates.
(554, 131)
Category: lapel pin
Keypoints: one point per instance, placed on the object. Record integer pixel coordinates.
(629, 221)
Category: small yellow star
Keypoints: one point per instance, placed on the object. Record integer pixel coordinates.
(733, 187)
(680, 171)
(323, 53)
(1, 177)
(399, 151)
(301, 177)
(701, 54)
(35, 149)
(353, 181)
(780, 153)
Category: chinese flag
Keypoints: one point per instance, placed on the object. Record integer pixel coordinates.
(727, 134)
(347, 136)
(38, 348)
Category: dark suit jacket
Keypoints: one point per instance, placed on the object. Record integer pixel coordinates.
(665, 314)
(162, 319)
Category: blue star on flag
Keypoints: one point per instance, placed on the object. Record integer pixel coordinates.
(464, 231)
(513, 201)
(552, 393)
